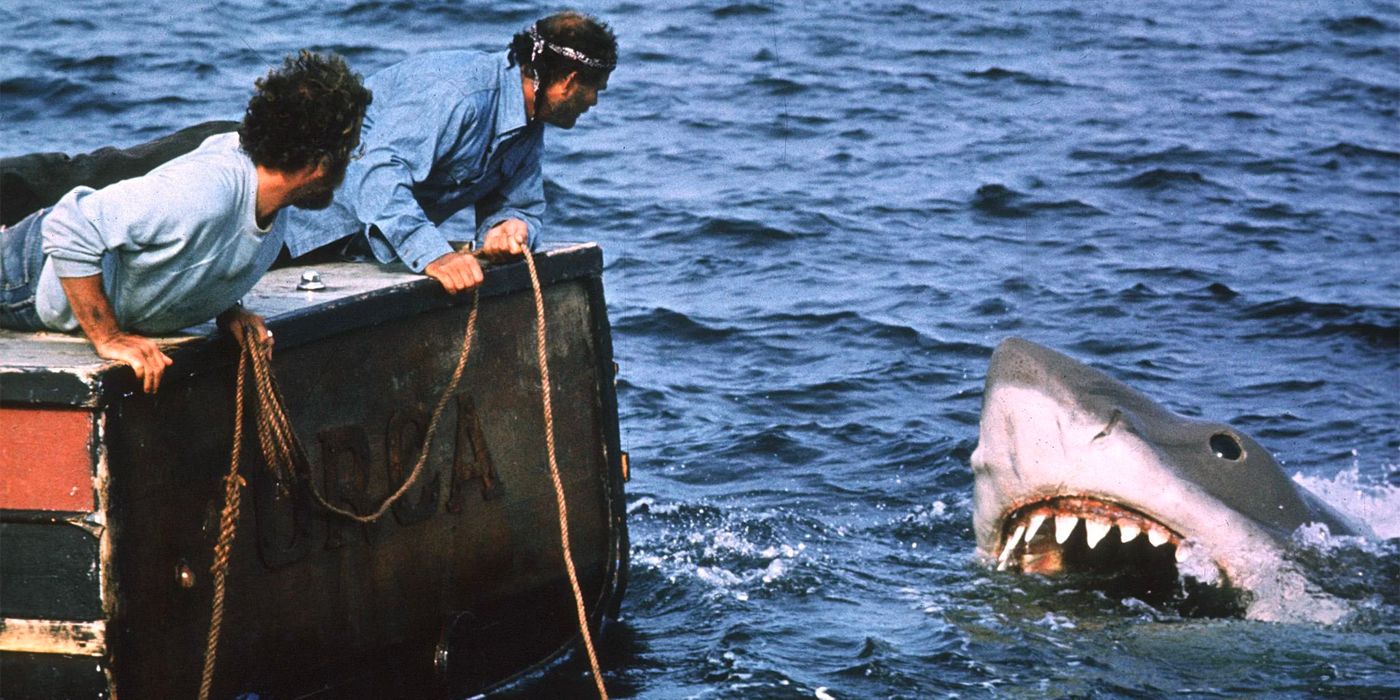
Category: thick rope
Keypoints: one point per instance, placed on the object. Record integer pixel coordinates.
(227, 521)
(547, 402)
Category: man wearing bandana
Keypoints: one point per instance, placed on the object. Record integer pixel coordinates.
(453, 129)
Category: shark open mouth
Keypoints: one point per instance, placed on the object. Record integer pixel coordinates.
(1082, 535)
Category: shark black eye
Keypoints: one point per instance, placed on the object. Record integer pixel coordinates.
(1225, 446)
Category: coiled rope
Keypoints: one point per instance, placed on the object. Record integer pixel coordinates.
(281, 450)
(232, 495)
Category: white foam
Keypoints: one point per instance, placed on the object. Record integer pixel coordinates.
(1373, 504)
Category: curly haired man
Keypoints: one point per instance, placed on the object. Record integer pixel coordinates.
(458, 129)
(182, 244)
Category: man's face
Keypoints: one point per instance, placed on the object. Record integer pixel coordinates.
(566, 99)
(320, 191)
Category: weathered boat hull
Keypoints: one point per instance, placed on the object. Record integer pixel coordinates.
(106, 583)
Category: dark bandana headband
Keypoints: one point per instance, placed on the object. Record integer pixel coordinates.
(572, 54)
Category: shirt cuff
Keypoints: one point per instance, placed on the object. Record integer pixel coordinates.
(65, 267)
(422, 247)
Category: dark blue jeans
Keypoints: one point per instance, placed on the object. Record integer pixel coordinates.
(21, 261)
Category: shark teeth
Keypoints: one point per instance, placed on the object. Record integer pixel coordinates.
(1036, 521)
(1094, 531)
(1011, 543)
(1064, 527)
(1183, 553)
(1030, 547)
(1157, 537)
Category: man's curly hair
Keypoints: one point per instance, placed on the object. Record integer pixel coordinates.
(304, 111)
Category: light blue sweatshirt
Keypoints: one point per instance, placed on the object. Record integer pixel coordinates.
(446, 131)
(174, 247)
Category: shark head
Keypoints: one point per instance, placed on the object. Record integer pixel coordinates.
(1075, 470)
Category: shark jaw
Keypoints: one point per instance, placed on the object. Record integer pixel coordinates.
(1068, 533)
(1077, 474)
(1116, 549)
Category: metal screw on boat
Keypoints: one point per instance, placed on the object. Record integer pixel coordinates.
(184, 574)
(311, 282)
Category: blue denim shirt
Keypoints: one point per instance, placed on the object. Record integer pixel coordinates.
(445, 131)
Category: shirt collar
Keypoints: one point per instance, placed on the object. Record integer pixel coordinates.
(510, 109)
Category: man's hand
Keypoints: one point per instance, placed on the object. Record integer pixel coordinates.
(143, 354)
(456, 271)
(508, 239)
(238, 321)
(94, 312)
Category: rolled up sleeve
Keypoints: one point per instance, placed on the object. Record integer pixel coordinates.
(71, 240)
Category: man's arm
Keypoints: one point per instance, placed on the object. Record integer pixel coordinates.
(510, 221)
(94, 312)
(413, 130)
(411, 135)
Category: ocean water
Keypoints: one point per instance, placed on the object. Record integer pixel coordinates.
(819, 218)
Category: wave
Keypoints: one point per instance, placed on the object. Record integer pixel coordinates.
(1380, 98)
(1356, 26)
(395, 12)
(740, 232)
(1001, 74)
(995, 32)
(45, 88)
(1167, 272)
(1298, 318)
(741, 9)
(672, 324)
(1285, 386)
(1176, 155)
(1268, 47)
(98, 63)
(1164, 178)
(774, 442)
(38, 98)
(1351, 150)
(1279, 211)
(1104, 347)
(845, 323)
(1179, 156)
(1243, 114)
(658, 57)
(1001, 201)
(779, 87)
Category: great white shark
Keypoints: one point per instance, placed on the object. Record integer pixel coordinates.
(1076, 471)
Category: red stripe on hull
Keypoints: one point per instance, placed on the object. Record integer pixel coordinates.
(46, 459)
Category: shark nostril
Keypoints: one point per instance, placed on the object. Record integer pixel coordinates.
(1226, 446)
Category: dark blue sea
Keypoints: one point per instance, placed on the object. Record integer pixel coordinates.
(819, 218)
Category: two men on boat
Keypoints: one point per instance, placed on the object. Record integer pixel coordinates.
(184, 243)
(173, 248)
